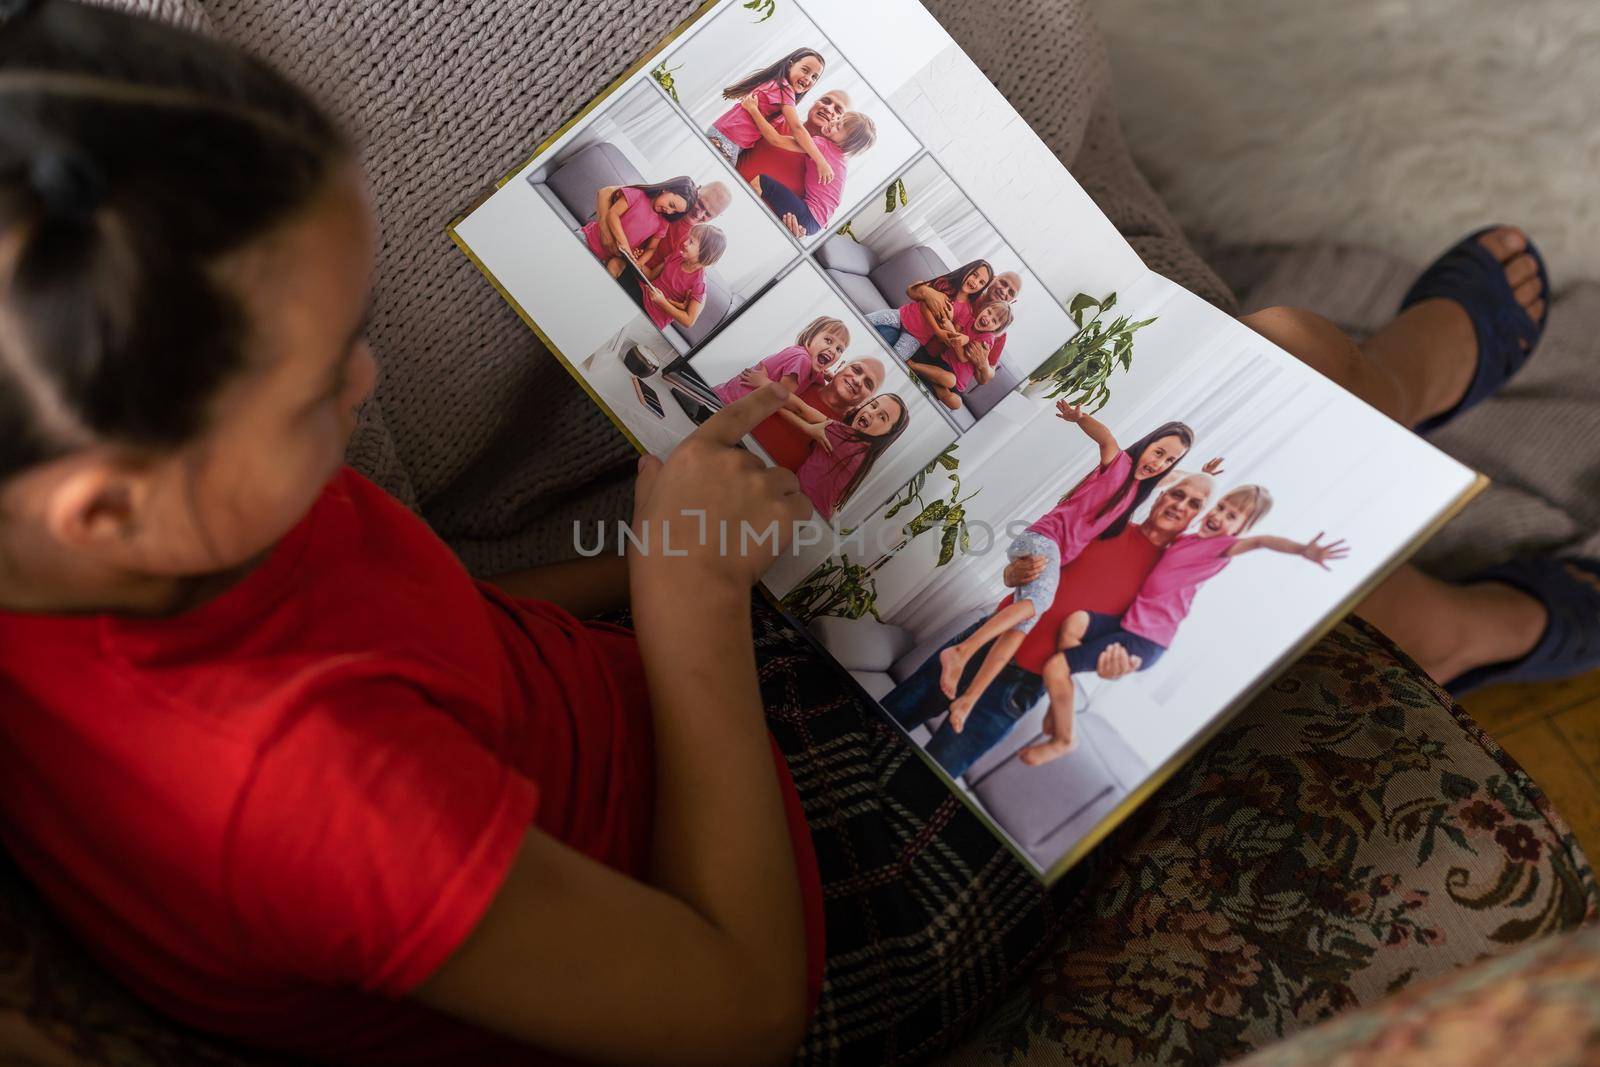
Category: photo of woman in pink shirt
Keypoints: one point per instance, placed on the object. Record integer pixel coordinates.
(630, 220)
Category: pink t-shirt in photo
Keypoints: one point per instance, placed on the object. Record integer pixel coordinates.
(824, 475)
(914, 320)
(965, 372)
(640, 223)
(1072, 524)
(679, 286)
(1166, 596)
(737, 125)
(823, 200)
(794, 360)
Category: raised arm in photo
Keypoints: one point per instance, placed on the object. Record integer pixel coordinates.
(808, 145)
(1096, 430)
(769, 132)
(1313, 550)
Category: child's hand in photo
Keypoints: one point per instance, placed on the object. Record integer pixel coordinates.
(751, 103)
(1213, 467)
(824, 172)
(818, 432)
(657, 296)
(690, 511)
(1322, 554)
(756, 377)
(1070, 412)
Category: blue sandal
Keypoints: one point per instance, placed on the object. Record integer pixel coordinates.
(1470, 275)
(1570, 591)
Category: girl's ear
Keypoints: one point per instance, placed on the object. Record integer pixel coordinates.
(95, 503)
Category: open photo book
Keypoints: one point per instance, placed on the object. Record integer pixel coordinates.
(1068, 517)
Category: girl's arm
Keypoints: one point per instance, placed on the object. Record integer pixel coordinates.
(930, 298)
(684, 315)
(705, 962)
(943, 328)
(602, 212)
(646, 250)
(1312, 550)
(817, 431)
(808, 145)
(613, 223)
(1097, 431)
(770, 134)
(799, 407)
(585, 587)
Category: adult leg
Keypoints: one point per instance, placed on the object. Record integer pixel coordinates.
(785, 201)
(1418, 366)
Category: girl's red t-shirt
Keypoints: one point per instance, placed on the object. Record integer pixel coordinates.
(276, 814)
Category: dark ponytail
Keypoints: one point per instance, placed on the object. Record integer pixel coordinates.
(133, 158)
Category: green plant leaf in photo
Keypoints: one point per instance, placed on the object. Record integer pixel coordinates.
(1080, 370)
(763, 9)
(663, 76)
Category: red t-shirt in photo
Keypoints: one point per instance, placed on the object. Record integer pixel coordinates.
(276, 814)
(786, 443)
(788, 168)
(1105, 578)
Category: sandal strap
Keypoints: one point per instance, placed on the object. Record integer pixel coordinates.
(1570, 591)
(1470, 276)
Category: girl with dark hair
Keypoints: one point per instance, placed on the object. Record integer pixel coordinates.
(771, 93)
(630, 220)
(1098, 506)
(957, 368)
(912, 328)
(833, 472)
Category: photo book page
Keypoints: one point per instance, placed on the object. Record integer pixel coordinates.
(1068, 516)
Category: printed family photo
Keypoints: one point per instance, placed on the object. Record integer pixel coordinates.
(855, 427)
(954, 302)
(1098, 592)
(782, 106)
(660, 215)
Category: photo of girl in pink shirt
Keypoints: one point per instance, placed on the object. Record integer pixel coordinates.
(799, 367)
(836, 142)
(630, 220)
(951, 368)
(1097, 507)
(675, 288)
(773, 92)
(841, 461)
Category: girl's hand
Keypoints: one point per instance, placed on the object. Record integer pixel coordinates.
(1070, 412)
(824, 172)
(710, 487)
(751, 104)
(658, 297)
(936, 302)
(1214, 467)
(1022, 570)
(1321, 554)
(818, 432)
(756, 377)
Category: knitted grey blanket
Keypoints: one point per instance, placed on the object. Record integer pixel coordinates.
(473, 423)
(482, 431)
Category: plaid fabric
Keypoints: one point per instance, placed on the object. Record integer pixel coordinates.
(929, 919)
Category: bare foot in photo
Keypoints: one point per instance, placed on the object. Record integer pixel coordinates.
(960, 708)
(952, 661)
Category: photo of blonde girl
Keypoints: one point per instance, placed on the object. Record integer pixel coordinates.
(674, 289)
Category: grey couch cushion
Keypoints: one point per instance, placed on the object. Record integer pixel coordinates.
(719, 304)
(843, 254)
(897, 273)
(979, 401)
(861, 644)
(578, 179)
(860, 290)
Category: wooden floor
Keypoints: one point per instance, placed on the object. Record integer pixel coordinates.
(1553, 731)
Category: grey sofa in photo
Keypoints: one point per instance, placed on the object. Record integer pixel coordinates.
(1044, 809)
(570, 186)
(873, 284)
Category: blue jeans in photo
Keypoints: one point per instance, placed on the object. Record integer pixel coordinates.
(918, 699)
(785, 201)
